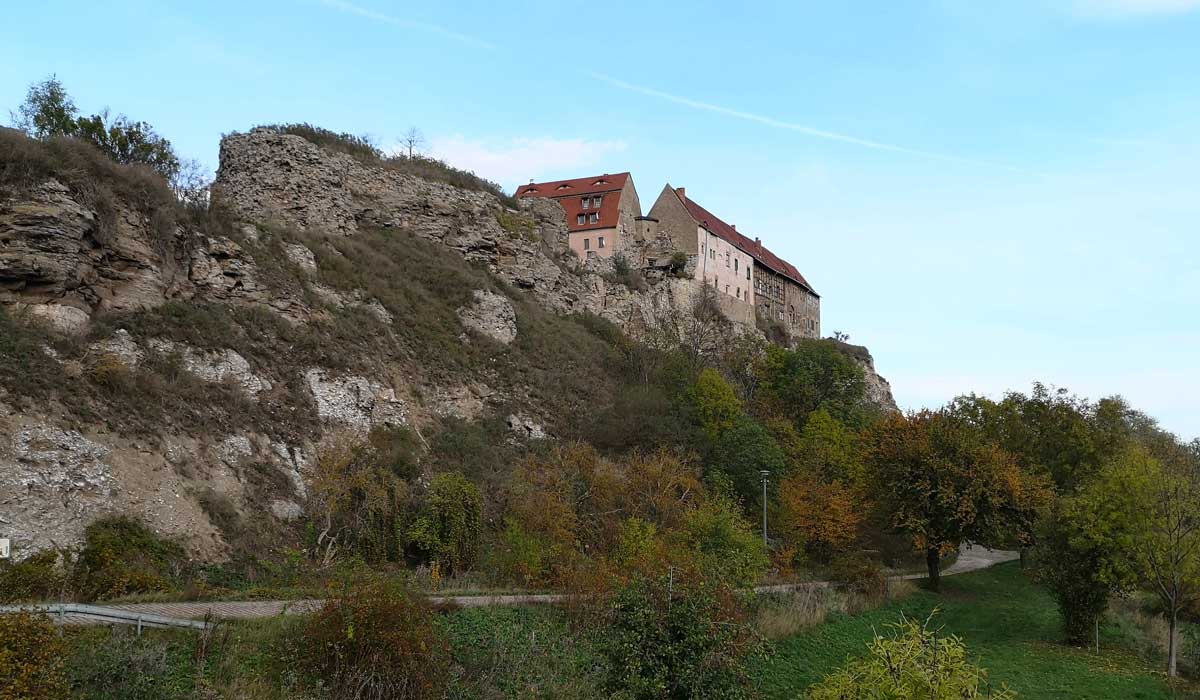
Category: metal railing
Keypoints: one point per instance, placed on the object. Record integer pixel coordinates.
(59, 612)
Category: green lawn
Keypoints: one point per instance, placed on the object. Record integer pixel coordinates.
(1010, 625)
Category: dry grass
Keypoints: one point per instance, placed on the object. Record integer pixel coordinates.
(783, 616)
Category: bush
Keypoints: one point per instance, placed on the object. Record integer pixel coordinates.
(120, 665)
(448, 530)
(914, 663)
(522, 557)
(37, 577)
(122, 556)
(675, 636)
(31, 659)
(725, 543)
(859, 573)
(376, 641)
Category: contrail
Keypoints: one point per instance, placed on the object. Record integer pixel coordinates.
(801, 128)
(350, 8)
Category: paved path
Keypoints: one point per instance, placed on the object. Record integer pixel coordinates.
(970, 558)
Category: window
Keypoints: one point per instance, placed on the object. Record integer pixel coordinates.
(739, 292)
(600, 242)
(728, 256)
(585, 202)
(587, 244)
(712, 253)
(581, 219)
(747, 273)
(726, 289)
(593, 217)
(735, 264)
(596, 201)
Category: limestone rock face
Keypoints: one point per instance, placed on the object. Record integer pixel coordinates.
(52, 253)
(354, 401)
(215, 365)
(492, 315)
(879, 391)
(52, 483)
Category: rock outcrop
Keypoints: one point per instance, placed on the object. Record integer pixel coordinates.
(492, 315)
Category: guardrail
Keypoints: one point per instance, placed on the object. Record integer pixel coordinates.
(60, 612)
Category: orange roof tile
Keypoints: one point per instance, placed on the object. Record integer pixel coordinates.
(569, 193)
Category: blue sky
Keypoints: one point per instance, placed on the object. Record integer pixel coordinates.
(986, 193)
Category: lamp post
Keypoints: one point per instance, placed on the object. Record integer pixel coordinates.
(764, 474)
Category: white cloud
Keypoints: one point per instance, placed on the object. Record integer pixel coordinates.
(1132, 8)
(518, 160)
(350, 8)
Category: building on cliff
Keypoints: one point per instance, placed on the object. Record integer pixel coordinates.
(603, 211)
(752, 280)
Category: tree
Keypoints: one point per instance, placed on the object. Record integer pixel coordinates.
(447, 530)
(413, 141)
(716, 405)
(47, 110)
(1154, 508)
(939, 483)
(1079, 561)
(914, 663)
(741, 453)
(129, 142)
(355, 500)
(821, 517)
(816, 375)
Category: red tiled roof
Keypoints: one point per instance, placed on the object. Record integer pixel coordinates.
(569, 195)
(754, 248)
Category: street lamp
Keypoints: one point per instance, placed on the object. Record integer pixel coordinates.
(764, 474)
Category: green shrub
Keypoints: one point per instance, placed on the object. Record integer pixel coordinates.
(31, 659)
(376, 641)
(522, 557)
(914, 663)
(117, 664)
(676, 637)
(37, 577)
(725, 544)
(448, 529)
(121, 555)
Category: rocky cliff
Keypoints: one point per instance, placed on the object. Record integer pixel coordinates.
(192, 364)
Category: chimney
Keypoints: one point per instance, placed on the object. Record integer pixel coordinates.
(757, 240)
(531, 181)
(733, 226)
(682, 192)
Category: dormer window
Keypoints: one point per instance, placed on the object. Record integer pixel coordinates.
(585, 202)
(593, 218)
(600, 182)
(563, 186)
(581, 219)
(596, 201)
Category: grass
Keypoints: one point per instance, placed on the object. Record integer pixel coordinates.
(1009, 625)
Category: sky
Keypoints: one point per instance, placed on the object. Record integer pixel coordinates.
(986, 193)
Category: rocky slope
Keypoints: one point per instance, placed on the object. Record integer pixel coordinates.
(197, 363)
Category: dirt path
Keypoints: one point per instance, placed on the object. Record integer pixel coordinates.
(970, 558)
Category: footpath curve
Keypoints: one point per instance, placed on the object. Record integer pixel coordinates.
(970, 558)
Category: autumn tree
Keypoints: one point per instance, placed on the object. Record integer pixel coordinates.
(355, 500)
(823, 518)
(939, 483)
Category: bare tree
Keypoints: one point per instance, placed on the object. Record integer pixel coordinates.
(413, 141)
